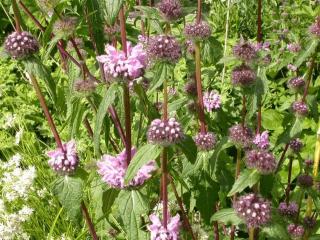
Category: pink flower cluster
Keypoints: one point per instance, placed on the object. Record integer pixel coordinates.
(113, 169)
(293, 47)
(64, 160)
(117, 65)
(158, 232)
(211, 101)
(261, 140)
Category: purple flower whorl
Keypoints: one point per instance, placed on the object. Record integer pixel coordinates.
(295, 231)
(171, 9)
(64, 161)
(289, 210)
(300, 108)
(245, 51)
(197, 31)
(240, 136)
(305, 181)
(205, 141)
(164, 48)
(315, 27)
(164, 132)
(191, 88)
(243, 76)
(296, 84)
(262, 160)
(211, 101)
(295, 145)
(21, 45)
(255, 210)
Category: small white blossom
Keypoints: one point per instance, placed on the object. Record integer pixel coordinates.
(9, 121)
(18, 136)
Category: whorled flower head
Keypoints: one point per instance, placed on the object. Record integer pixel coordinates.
(64, 161)
(261, 140)
(315, 27)
(292, 67)
(294, 47)
(288, 210)
(240, 136)
(164, 132)
(253, 209)
(295, 231)
(262, 160)
(245, 51)
(164, 48)
(117, 65)
(205, 141)
(191, 88)
(300, 108)
(171, 9)
(309, 222)
(211, 101)
(158, 232)
(85, 86)
(65, 26)
(112, 30)
(305, 181)
(113, 169)
(243, 76)
(295, 145)
(197, 31)
(296, 84)
(21, 45)
(308, 163)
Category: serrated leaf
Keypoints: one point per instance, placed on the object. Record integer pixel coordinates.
(227, 216)
(69, 191)
(247, 178)
(145, 154)
(132, 205)
(108, 99)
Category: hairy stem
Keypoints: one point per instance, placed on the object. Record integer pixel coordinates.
(309, 76)
(86, 216)
(199, 88)
(164, 180)
(282, 158)
(226, 41)
(315, 169)
(199, 11)
(180, 203)
(126, 93)
(244, 110)
(251, 233)
(46, 111)
(16, 15)
(289, 180)
(237, 173)
(259, 22)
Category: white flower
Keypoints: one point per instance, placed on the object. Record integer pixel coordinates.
(18, 136)
(9, 121)
(13, 162)
(42, 192)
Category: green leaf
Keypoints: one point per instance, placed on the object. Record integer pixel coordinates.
(108, 99)
(76, 117)
(189, 148)
(95, 21)
(160, 73)
(132, 205)
(272, 119)
(296, 128)
(227, 216)
(177, 104)
(247, 178)
(69, 191)
(275, 231)
(149, 12)
(112, 10)
(145, 154)
(311, 47)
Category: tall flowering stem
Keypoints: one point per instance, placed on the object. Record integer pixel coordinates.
(199, 11)
(244, 109)
(16, 15)
(183, 212)
(88, 221)
(259, 40)
(126, 94)
(289, 180)
(309, 76)
(199, 88)
(46, 111)
(315, 169)
(164, 184)
(237, 173)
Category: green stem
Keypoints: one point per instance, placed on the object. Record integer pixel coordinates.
(289, 180)
(251, 233)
